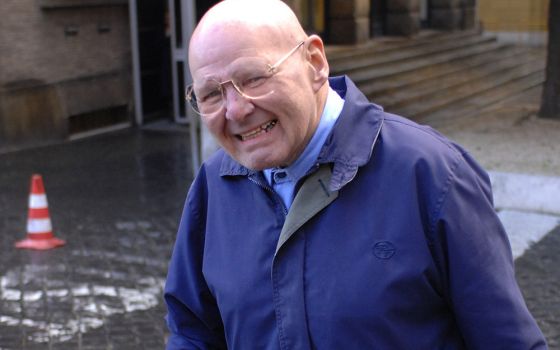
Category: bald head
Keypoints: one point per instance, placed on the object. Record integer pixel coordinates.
(248, 21)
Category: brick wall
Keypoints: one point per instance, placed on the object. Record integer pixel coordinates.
(57, 44)
(73, 56)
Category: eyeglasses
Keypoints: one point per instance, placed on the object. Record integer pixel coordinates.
(252, 83)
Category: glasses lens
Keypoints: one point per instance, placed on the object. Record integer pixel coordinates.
(207, 99)
(255, 83)
(251, 84)
(191, 97)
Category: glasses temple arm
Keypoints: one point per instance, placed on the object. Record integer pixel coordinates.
(280, 61)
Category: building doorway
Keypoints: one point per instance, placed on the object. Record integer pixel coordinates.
(151, 58)
(378, 10)
(160, 32)
(424, 13)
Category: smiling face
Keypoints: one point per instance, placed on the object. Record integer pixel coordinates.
(274, 129)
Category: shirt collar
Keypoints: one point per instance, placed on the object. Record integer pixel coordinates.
(349, 145)
(295, 171)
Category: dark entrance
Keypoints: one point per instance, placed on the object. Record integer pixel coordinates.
(378, 10)
(155, 60)
(424, 13)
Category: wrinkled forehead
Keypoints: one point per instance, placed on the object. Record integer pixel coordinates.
(236, 35)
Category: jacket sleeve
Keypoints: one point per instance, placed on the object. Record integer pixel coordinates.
(193, 317)
(477, 264)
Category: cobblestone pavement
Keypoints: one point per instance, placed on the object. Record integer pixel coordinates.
(117, 199)
(538, 275)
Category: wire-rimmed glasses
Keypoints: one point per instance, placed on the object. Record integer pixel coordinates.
(253, 83)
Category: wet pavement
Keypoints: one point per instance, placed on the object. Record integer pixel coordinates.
(116, 199)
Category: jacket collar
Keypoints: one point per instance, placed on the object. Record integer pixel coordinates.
(350, 144)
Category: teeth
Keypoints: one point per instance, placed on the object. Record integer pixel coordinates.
(255, 132)
(270, 125)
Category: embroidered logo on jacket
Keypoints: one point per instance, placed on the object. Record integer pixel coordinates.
(384, 250)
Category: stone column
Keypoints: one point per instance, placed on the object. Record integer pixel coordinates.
(403, 17)
(348, 21)
(468, 8)
(445, 14)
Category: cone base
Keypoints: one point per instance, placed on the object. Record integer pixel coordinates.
(40, 244)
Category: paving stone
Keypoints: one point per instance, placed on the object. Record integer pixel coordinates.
(116, 200)
(539, 278)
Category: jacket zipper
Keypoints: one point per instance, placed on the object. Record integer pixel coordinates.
(267, 188)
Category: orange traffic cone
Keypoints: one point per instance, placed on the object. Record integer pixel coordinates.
(39, 227)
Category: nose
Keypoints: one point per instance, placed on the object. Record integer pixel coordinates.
(237, 105)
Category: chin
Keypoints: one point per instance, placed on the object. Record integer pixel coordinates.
(258, 164)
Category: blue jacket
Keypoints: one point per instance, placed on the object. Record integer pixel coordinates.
(392, 243)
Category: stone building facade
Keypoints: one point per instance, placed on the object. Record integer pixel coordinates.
(66, 65)
(517, 21)
(356, 21)
(64, 68)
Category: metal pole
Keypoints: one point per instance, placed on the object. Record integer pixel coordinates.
(136, 81)
(189, 23)
(173, 48)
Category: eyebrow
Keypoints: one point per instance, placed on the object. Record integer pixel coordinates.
(202, 84)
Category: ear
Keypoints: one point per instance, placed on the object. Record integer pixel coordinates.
(317, 60)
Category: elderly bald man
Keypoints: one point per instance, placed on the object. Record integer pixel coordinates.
(325, 222)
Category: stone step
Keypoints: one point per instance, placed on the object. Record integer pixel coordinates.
(420, 91)
(476, 106)
(433, 107)
(509, 108)
(438, 78)
(382, 45)
(367, 62)
(399, 81)
(366, 76)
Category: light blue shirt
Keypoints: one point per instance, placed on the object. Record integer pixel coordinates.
(285, 179)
